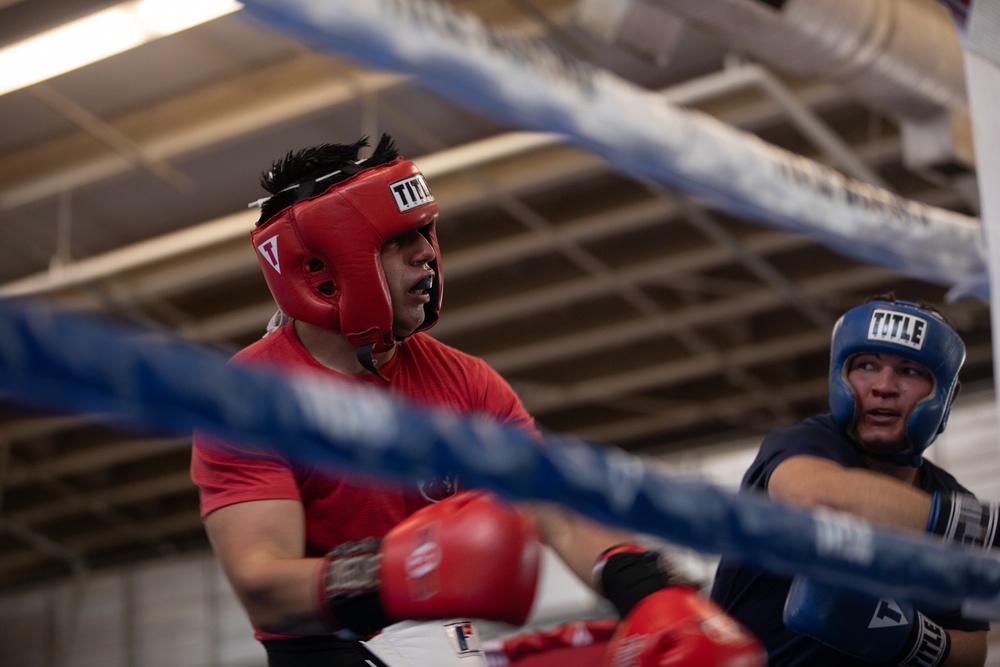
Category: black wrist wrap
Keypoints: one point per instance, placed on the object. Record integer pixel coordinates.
(350, 586)
(626, 577)
(929, 644)
(963, 519)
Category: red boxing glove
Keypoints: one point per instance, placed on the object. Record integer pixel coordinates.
(469, 556)
(568, 635)
(678, 627)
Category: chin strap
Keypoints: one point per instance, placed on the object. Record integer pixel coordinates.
(904, 459)
(366, 359)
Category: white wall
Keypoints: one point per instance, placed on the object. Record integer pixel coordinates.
(177, 612)
(180, 612)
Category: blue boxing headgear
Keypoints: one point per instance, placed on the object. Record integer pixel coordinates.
(906, 330)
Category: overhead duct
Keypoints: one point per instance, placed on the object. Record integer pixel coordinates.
(902, 57)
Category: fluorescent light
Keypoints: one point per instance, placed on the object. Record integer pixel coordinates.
(165, 17)
(101, 35)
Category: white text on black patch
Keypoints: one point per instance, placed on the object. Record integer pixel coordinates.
(411, 192)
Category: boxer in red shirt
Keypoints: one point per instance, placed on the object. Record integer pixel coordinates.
(345, 571)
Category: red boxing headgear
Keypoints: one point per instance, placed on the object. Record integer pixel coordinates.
(321, 256)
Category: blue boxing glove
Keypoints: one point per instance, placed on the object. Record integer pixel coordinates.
(878, 630)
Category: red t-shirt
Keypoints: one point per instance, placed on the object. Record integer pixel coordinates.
(338, 509)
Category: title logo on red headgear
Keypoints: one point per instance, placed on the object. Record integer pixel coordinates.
(268, 249)
(411, 192)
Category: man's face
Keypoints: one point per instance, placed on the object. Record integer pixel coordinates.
(406, 263)
(887, 388)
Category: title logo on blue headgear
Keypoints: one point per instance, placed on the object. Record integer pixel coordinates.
(891, 326)
(910, 331)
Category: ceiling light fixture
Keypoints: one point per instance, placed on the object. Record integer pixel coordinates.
(100, 35)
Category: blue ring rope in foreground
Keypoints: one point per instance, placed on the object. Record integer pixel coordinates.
(68, 362)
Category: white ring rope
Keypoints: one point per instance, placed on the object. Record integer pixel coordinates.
(526, 83)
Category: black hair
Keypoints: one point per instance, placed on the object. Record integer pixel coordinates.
(890, 296)
(293, 177)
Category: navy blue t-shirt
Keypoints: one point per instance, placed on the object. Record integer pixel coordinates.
(757, 598)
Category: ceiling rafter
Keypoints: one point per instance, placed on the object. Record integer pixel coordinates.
(621, 313)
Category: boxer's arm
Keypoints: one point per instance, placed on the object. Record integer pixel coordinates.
(957, 517)
(968, 648)
(810, 481)
(664, 619)
(260, 547)
(466, 556)
(471, 555)
(577, 540)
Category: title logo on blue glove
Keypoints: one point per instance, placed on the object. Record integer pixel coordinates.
(887, 615)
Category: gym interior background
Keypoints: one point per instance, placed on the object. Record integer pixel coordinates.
(635, 317)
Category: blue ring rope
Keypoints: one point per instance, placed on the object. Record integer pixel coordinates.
(69, 362)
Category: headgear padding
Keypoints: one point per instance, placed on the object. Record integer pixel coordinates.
(321, 256)
(905, 330)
